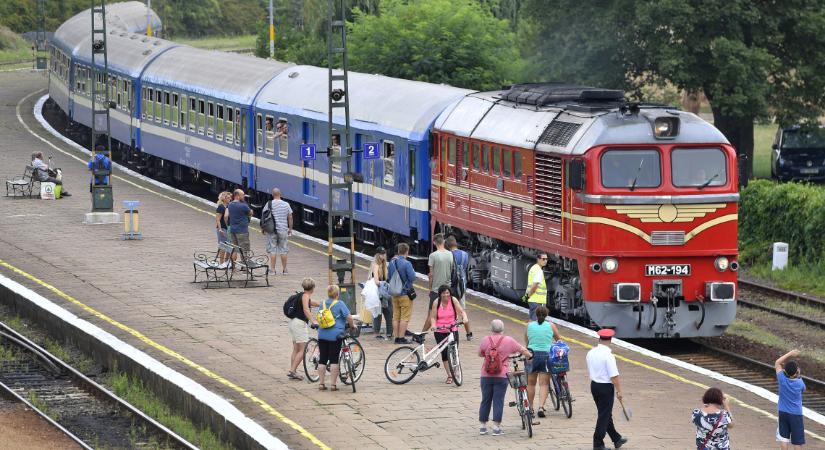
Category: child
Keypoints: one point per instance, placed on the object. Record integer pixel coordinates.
(791, 427)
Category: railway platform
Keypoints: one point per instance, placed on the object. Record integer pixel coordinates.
(235, 342)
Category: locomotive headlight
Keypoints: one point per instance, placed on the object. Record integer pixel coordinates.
(665, 127)
(610, 265)
(721, 263)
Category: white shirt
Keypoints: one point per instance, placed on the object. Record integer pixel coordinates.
(601, 364)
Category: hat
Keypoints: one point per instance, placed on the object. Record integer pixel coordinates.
(606, 333)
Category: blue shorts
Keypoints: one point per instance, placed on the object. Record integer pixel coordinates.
(539, 362)
(791, 426)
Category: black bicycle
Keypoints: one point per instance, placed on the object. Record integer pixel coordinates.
(351, 361)
(518, 381)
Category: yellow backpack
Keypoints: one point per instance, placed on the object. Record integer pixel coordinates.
(324, 317)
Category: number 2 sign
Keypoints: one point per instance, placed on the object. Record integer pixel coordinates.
(371, 150)
(308, 152)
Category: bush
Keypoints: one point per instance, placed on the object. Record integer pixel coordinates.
(787, 212)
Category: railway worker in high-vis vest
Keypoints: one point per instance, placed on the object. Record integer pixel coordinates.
(536, 294)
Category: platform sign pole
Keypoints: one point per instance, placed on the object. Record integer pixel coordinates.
(341, 226)
(40, 37)
(102, 199)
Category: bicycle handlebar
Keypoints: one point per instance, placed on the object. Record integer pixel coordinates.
(448, 327)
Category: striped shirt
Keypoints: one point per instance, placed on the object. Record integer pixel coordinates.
(280, 212)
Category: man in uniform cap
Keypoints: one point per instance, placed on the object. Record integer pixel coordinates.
(604, 380)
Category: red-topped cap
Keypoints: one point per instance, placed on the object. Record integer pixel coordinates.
(606, 333)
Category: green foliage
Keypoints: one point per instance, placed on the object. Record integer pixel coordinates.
(13, 48)
(805, 276)
(763, 135)
(438, 41)
(787, 212)
(293, 45)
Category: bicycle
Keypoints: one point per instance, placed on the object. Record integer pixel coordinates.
(561, 393)
(404, 363)
(518, 381)
(351, 360)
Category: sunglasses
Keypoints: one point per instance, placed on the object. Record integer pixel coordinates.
(543, 259)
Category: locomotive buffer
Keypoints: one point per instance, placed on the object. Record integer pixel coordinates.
(102, 200)
(340, 215)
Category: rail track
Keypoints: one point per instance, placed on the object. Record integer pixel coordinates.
(761, 294)
(740, 367)
(86, 412)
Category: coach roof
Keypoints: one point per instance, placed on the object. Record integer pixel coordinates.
(228, 76)
(121, 17)
(127, 53)
(389, 105)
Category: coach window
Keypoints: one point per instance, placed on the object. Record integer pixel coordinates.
(269, 128)
(335, 150)
(411, 150)
(517, 164)
(167, 107)
(507, 160)
(193, 114)
(485, 158)
(282, 136)
(184, 104)
(389, 163)
(175, 109)
(77, 72)
(631, 169)
(476, 156)
(201, 116)
(496, 161)
(144, 103)
(242, 126)
(259, 134)
(219, 123)
(698, 167)
(451, 150)
(210, 125)
(158, 105)
(230, 124)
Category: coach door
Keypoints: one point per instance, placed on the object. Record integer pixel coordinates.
(308, 167)
(441, 173)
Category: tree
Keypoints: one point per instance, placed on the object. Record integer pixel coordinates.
(192, 17)
(439, 41)
(750, 58)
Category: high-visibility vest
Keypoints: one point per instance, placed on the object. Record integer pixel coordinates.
(540, 296)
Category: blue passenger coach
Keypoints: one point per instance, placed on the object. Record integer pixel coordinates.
(396, 114)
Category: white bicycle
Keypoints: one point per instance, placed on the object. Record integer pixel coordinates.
(404, 363)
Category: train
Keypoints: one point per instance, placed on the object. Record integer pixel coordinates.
(635, 204)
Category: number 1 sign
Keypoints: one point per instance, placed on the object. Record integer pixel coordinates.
(308, 152)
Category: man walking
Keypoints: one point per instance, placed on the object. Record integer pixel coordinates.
(604, 381)
(238, 213)
(536, 294)
(402, 304)
(440, 263)
(461, 259)
(279, 214)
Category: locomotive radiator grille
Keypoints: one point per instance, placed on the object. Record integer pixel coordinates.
(548, 187)
(667, 238)
(559, 133)
(517, 219)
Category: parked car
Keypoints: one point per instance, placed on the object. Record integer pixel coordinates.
(798, 153)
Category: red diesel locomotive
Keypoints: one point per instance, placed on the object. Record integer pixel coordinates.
(636, 205)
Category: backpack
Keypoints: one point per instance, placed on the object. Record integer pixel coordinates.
(492, 363)
(325, 317)
(268, 220)
(293, 305)
(396, 284)
(458, 278)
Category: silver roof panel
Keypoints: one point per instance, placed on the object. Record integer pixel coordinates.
(462, 119)
(124, 17)
(127, 53)
(228, 76)
(377, 102)
(516, 127)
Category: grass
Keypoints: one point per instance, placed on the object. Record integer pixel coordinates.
(224, 43)
(756, 333)
(134, 392)
(763, 135)
(13, 48)
(808, 279)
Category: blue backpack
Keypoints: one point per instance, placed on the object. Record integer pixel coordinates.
(558, 359)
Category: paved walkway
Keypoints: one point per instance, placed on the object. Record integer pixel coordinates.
(241, 334)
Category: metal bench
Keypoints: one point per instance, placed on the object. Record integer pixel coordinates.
(23, 186)
(211, 266)
(248, 263)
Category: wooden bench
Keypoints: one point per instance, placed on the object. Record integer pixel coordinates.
(211, 266)
(25, 185)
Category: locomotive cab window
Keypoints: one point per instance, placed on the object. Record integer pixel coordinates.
(631, 169)
(389, 162)
(698, 167)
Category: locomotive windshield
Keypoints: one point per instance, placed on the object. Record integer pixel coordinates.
(698, 167)
(631, 169)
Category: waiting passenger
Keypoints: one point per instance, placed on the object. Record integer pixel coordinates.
(791, 426)
(99, 162)
(712, 421)
(329, 342)
(539, 337)
(44, 174)
(298, 328)
(443, 313)
(379, 274)
(282, 128)
(462, 265)
(220, 222)
(269, 124)
(238, 214)
(277, 242)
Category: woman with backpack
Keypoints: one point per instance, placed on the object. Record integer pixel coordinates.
(444, 313)
(333, 318)
(495, 349)
(379, 274)
(298, 325)
(539, 336)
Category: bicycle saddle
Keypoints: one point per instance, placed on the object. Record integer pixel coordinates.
(419, 337)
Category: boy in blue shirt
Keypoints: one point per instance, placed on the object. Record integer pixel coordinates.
(791, 426)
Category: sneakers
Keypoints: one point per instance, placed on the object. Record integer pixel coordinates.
(497, 432)
(285, 272)
(379, 337)
(402, 341)
(482, 430)
(408, 333)
(618, 444)
(65, 194)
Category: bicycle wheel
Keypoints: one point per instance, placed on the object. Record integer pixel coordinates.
(554, 391)
(350, 368)
(455, 365)
(527, 415)
(566, 398)
(356, 358)
(311, 357)
(402, 365)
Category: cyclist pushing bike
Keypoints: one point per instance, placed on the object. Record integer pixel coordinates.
(443, 315)
(333, 317)
(539, 336)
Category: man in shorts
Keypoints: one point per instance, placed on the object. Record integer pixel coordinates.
(791, 428)
(238, 213)
(441, 267)
(402, 304)
(277, 243)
